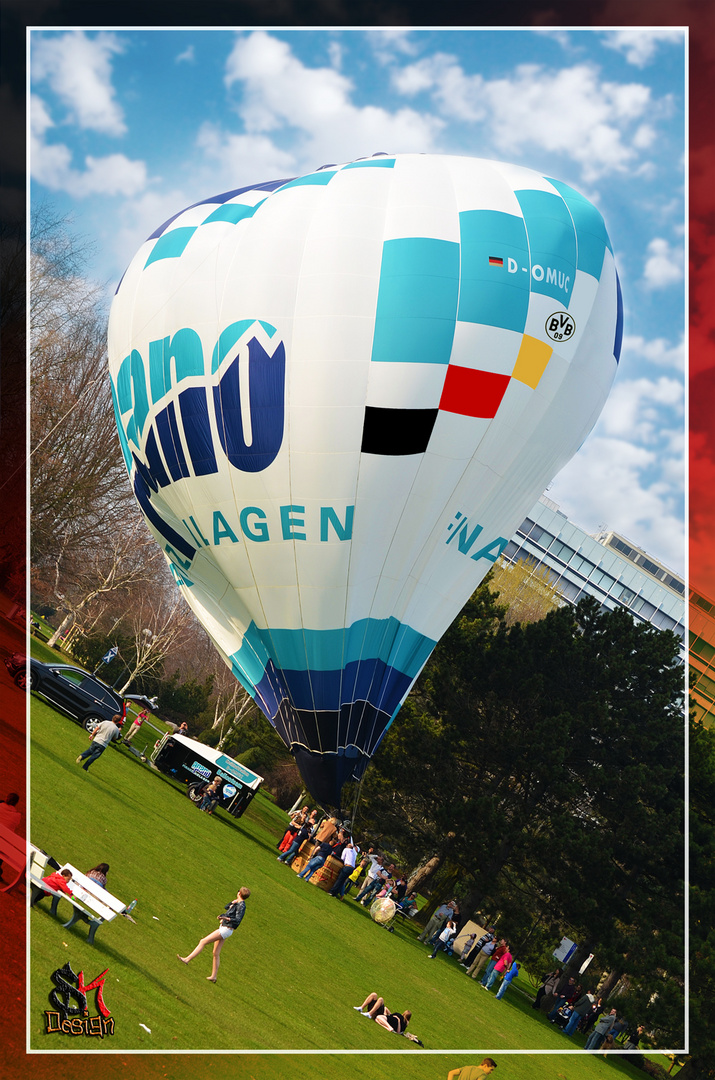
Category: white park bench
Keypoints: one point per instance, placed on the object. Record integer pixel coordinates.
(90, 902)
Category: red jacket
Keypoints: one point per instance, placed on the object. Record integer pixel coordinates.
(57, 882)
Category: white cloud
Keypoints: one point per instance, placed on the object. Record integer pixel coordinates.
(78, 69)
(312, 107)
(389, 43)
(335, 53)
(239, 160)
(615, 483)
(187, 56)
(51, 164)
(658, 351)
(640, 46)
(601, 125)
(640, 409)
(664, 265)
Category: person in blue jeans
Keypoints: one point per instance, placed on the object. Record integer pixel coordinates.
(444, 938)
(290, 853)
(511, 974)
(104, 734)
(581, 1008)
(316, 861)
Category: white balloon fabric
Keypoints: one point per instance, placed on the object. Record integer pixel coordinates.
(337, 397)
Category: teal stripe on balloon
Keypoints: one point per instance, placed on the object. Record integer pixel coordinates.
(417, 301)
(320, 178)
(371, 163)
(591, 235)
(493, 295)
(232, 213)
(330, 650)
(552, 243)
(171, 244)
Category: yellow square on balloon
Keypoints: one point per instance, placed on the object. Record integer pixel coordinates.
(531, 362)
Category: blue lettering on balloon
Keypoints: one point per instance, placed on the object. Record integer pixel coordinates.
(465, 539)
(266, 406)
(488, 552)
(289, 524)
(328, 516)
(222, 529)
(254, 530)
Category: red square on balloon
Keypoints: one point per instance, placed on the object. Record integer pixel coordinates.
(472, 393)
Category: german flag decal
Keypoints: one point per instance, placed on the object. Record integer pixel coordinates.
(494, 261)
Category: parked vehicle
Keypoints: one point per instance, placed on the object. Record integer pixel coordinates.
(16, 664)
(195, 764)
(82, 696)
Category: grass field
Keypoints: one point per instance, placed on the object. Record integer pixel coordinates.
(291, 972)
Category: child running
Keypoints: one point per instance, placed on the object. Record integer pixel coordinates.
(229, 921)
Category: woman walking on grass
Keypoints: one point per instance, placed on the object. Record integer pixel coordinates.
(231, 918)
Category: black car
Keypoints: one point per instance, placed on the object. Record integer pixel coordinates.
(84, 697)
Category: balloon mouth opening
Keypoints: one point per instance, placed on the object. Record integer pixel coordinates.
(325, 774)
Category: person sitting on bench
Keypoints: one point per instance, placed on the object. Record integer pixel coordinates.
(59, 881)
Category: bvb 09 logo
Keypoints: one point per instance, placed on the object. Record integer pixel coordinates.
(560, 326)
(69, 1001)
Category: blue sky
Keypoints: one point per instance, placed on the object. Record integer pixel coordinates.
(131, 126)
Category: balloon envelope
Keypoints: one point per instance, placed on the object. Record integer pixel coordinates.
(337, 397)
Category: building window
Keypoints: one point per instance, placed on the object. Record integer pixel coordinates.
(583, 566)
(541, 536)
(703, 649)
(620, 546)
(526, 526)
(561, 551)
(674, 584)
(663, 621)
(569, 590)
(602, 580)
(623, 594)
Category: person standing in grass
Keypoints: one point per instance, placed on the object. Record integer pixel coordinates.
(228, 922)
(512, 973)
(104, 734)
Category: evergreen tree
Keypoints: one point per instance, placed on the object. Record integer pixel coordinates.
(552, 755)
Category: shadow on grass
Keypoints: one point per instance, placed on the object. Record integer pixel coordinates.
(103, 949)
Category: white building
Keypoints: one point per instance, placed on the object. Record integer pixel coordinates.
(608, 567)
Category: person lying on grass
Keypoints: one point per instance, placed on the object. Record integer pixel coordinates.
(229, 921)
(374, 1007)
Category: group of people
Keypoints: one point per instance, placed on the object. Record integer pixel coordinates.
(365, 870)
(477, 953)
(573, 1009)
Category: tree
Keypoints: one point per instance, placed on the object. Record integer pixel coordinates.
(525, 589)
(78, 485)
(115, 563)
(550, 759)
(159, 622)
(701, 1064)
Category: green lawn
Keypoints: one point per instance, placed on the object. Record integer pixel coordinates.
(291, 972)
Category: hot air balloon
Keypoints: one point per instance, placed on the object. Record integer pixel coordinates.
(337, 396)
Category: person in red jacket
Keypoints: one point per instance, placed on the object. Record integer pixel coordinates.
(59, 881)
